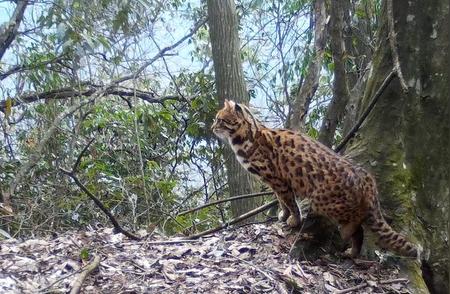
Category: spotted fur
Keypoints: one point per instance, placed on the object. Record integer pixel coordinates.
(294, 165)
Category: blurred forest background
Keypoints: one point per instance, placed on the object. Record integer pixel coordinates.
(137, 84)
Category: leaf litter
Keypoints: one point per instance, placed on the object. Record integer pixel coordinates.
(249, 259)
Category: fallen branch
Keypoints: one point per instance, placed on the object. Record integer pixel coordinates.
(235, 220)
(364, 284)
(257, 268)
(400, 280)
(369, 108)
(351, 289)
(80, 279)
(226, 200)
(171, 242)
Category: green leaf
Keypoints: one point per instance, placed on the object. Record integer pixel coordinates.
(84, 254)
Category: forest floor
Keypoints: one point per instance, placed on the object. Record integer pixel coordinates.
(249, 259)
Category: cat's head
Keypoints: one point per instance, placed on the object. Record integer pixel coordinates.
(233, 119)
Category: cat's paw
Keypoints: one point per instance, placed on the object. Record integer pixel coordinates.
(293, 221)
(283, 215)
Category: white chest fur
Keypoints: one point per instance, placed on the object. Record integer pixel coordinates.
(239, 158)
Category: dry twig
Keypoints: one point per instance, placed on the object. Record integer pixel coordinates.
(87, 270)
(365, 284)
(351, 289)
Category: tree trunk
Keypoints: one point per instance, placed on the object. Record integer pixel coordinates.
(307, 90)
(230, 84)
(336, 109)
(405, 140)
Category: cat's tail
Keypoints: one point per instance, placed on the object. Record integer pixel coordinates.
(387, 237)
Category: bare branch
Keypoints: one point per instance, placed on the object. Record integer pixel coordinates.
(236, 220)
(226, 200)
(99, 204)
(77, 162)
(366, 112)
(161, 53)
(69, 92)
(352, 289)
(393, 44)
(24, 67)
(9, 32)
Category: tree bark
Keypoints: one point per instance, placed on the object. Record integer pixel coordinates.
(405, 139)
(336, 109)
(307, 90)
(230, 84)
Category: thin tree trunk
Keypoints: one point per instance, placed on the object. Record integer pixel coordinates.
(336, 109)
(405, 139)
(230, 84)
(303, 98)
(9, 32)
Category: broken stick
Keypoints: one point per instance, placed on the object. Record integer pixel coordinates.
(82, 276)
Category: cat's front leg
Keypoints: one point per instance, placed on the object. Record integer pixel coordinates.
(289, 210)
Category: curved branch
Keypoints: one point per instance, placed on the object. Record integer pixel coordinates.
(99, 204)
(111, 88)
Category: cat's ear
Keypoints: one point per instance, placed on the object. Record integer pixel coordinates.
(238, 109)
(228, 104)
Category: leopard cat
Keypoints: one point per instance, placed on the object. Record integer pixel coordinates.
(296, 166)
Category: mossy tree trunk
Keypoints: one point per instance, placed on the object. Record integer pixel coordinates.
(230, 84)
(405, 139)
